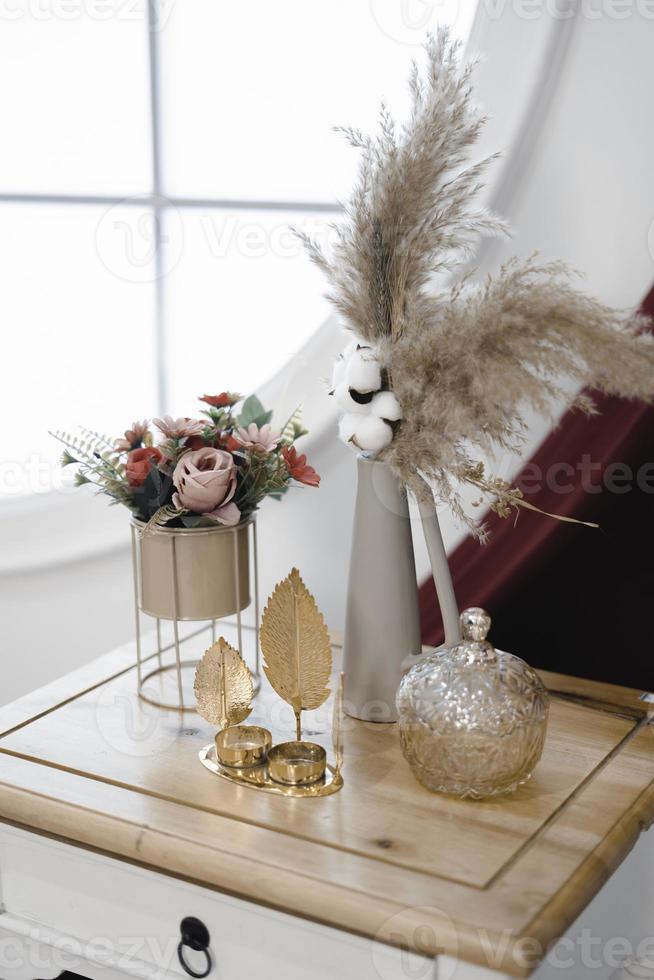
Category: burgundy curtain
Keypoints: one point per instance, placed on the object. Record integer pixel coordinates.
(564, 597)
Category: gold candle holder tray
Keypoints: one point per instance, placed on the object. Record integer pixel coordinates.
(242, 746)
(258, 777)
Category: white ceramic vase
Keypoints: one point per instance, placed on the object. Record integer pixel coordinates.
(382, 627)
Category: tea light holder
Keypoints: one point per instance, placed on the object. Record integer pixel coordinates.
(243, 746)
(297, 763)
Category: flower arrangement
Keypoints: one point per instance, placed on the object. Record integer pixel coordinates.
(435, 376)
(202, 472)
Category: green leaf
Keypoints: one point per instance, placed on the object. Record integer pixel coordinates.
(155, 493)
(155, 477)
(252, 410)
(293, 426)
(263, 419)
(191, 520)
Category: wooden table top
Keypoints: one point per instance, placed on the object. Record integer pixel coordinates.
(85, 760)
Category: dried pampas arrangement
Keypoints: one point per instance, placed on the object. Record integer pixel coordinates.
(458, 368)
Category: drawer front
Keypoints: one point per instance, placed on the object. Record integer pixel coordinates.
(94, 911)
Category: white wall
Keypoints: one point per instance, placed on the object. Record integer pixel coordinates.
(576, 184)
(53, 621)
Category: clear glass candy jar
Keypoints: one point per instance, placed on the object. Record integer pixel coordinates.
(472, 718)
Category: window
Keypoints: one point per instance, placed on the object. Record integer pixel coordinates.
(154, 155)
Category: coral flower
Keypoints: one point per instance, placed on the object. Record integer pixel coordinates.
(299, 469)
(139, 463)
(263, 439)
(229, 442)
(223, 400)
(179, 428)
(133, 437)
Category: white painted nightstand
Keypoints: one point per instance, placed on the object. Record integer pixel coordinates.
(113, 834)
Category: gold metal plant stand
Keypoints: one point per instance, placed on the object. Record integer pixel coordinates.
(186, 703)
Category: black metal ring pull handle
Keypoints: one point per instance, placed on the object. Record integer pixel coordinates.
(195, 935)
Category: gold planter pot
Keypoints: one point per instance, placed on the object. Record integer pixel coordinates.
(193, 573)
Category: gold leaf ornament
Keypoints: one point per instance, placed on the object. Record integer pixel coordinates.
(223, 686)
(296, 647)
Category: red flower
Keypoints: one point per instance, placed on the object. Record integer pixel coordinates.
(229, 442)
(223, 400)
(196, 442)
(139, 463)
(221, 440)
(297, 467)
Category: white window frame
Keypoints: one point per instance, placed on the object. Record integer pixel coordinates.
(545, 46)
(158, 203)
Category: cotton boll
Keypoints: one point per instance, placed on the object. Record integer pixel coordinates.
(341, 362)
(363, 372)
(346, 428)
(373, 434)
(345, 401)
(386, 406)
(351, 349)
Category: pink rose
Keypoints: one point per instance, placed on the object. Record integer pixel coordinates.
(205, 480)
